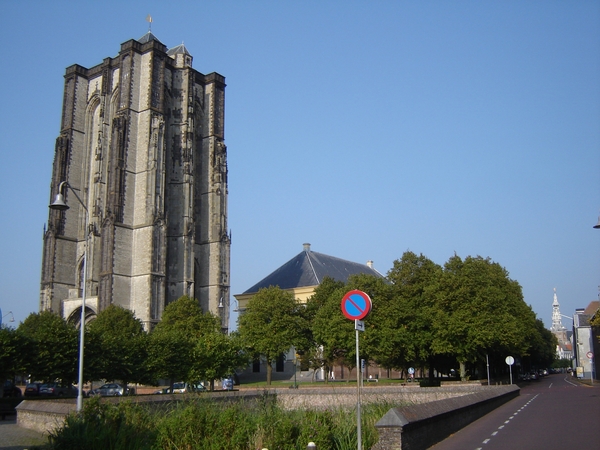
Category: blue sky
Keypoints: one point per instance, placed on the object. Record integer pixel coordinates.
(364, 128)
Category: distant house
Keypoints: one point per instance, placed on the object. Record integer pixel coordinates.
(304, 272)
(584, 340)
(301, 275)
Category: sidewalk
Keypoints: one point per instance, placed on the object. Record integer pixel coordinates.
(14, 437)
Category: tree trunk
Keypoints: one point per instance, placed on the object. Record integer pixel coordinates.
(269, 372)
(463, 371)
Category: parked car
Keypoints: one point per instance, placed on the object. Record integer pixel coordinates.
(58, 390)
(227, 384)
(185, 388)
(111, 390)
(182, 387)
(33, 389)
(10, 390)
(534, 376)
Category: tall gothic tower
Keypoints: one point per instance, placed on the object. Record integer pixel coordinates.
(141, 144)
(556, 315)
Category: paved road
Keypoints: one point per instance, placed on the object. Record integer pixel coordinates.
(553, 413)
(13, 437)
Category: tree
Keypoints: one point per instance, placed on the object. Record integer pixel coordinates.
(172, 342)
(54, 347)
(404, 329)
(271, 324)
(12, 349)
(121, 343)
(313, 350)
(480, 310)
(188, 345)
(217, 356)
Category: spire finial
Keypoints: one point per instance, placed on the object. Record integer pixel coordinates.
(149, 20)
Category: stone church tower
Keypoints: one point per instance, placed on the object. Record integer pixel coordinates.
(141, 144)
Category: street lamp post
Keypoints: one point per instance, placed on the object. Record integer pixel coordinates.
(59, 204)
(10, 313)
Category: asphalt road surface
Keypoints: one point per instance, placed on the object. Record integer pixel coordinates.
(552, 413)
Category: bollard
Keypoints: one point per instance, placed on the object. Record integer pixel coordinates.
(311, 446)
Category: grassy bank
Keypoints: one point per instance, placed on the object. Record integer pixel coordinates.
(199, 423)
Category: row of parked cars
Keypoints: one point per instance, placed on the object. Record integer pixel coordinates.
(39, 389)
(533, 375)
(184, 388)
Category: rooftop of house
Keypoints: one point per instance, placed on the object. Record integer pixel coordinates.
(308, 268)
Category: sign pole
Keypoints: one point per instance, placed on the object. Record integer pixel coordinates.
(356, 305)
(358, 425)
(510, 361)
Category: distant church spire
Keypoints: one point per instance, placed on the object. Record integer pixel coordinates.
(556, 317)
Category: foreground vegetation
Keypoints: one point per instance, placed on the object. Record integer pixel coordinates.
(199, 423)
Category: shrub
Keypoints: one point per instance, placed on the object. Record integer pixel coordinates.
(203, 424)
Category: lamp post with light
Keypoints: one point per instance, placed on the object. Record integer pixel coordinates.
(59, 204)
(10, 313)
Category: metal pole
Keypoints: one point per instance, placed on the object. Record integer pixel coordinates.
(487, 361)
(60, 204)
(510, 370)
(358, 430)
(82, 322)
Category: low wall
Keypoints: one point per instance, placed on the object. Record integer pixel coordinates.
(418, 427)
(45, 416)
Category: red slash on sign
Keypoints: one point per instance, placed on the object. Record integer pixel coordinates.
(356, 305)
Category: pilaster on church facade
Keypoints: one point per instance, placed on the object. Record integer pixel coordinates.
(142, 145)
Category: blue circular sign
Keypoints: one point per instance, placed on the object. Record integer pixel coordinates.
(356, 305)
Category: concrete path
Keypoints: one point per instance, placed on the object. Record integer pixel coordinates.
(14, 437)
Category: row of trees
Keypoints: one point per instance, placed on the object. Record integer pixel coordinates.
(423, 315)
(186, 345)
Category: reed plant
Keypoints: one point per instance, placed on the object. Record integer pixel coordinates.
(202, 424)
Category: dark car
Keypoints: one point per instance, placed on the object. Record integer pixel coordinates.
(10, 390)
(58, 390)
(111, 390)
(33, 389)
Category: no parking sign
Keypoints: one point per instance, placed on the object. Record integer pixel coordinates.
(356, 305)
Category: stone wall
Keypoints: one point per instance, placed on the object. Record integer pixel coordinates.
(44, 416)
(418, 427)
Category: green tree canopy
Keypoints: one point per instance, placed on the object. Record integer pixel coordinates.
(271, 324)
(53, 345)
(188, 345)
(480, 309)
(121, 346)
(12, 348)
(402, 318)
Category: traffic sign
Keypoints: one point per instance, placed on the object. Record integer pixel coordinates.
(590, 355)
(510, 360)
(356, 305)
(411, 370)
(359, 325)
